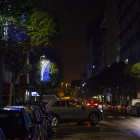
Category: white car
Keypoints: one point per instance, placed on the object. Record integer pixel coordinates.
(73, 111)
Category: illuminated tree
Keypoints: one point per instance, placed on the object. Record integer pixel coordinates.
(55, 73)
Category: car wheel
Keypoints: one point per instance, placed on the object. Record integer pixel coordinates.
(55, 121)
(80, 123)
(94, 119)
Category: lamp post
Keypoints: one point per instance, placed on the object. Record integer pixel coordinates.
(66, 87)
(62, 86)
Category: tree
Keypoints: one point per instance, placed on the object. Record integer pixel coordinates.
(17, 47)
(45, 28)
(133, 74)
(24, 31)
(110, 78)
(19, 10)
(55, 74)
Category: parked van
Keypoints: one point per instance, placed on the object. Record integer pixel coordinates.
(47, 98)
(131, 104)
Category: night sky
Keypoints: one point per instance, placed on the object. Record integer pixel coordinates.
(75, 16)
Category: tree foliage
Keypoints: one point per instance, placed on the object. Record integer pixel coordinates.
(55, 72)
(134, 71)
(19, 10)
(45, 27)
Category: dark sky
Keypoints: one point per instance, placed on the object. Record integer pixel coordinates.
(75, 16)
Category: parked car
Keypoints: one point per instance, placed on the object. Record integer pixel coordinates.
(48, 98)
(136, 109)
(41, 118)
(116, 106)
(124, 107)
(122, 104)
(16, 124)
(94, 103)
(131, 104)
(36, 121)
(2, 137)
(48, 114)
(69, 110)
(105, 105)
(112, 104)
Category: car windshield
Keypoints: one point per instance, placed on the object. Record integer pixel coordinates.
(30, 113)
(11, 122)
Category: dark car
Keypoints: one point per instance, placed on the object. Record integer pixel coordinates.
(16, 124)
(113, 103)
(42, 118)
(48, 114)
(124, 107)
(116, 106)
(36, 121)
(2, 137)
(136, 109)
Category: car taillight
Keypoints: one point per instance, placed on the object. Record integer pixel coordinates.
(88, 104)
(96, 104)
(42, 108)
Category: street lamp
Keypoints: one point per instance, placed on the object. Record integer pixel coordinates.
(66, 86)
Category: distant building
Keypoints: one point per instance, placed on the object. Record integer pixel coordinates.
(102, 40)
(94, 46)
(129, 31)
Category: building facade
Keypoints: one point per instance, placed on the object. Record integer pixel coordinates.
(128, 46)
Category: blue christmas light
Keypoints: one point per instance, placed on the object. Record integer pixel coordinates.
(46, 73)
(44, 70)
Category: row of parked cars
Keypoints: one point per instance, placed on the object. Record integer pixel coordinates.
(34, 121)
(29, 121)
(131, 107)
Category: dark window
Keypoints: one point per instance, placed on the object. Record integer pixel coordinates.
(11, 122)
(59, 104)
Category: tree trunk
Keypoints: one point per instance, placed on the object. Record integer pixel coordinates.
(10, 95)
(11, 88)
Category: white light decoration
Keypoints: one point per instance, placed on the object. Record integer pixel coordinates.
(44, 71)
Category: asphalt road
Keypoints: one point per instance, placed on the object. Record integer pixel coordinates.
(114, 127)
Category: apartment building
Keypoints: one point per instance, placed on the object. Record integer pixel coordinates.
(94, 50)
(128, 45)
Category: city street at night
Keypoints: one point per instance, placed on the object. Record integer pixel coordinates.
(114, 127)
